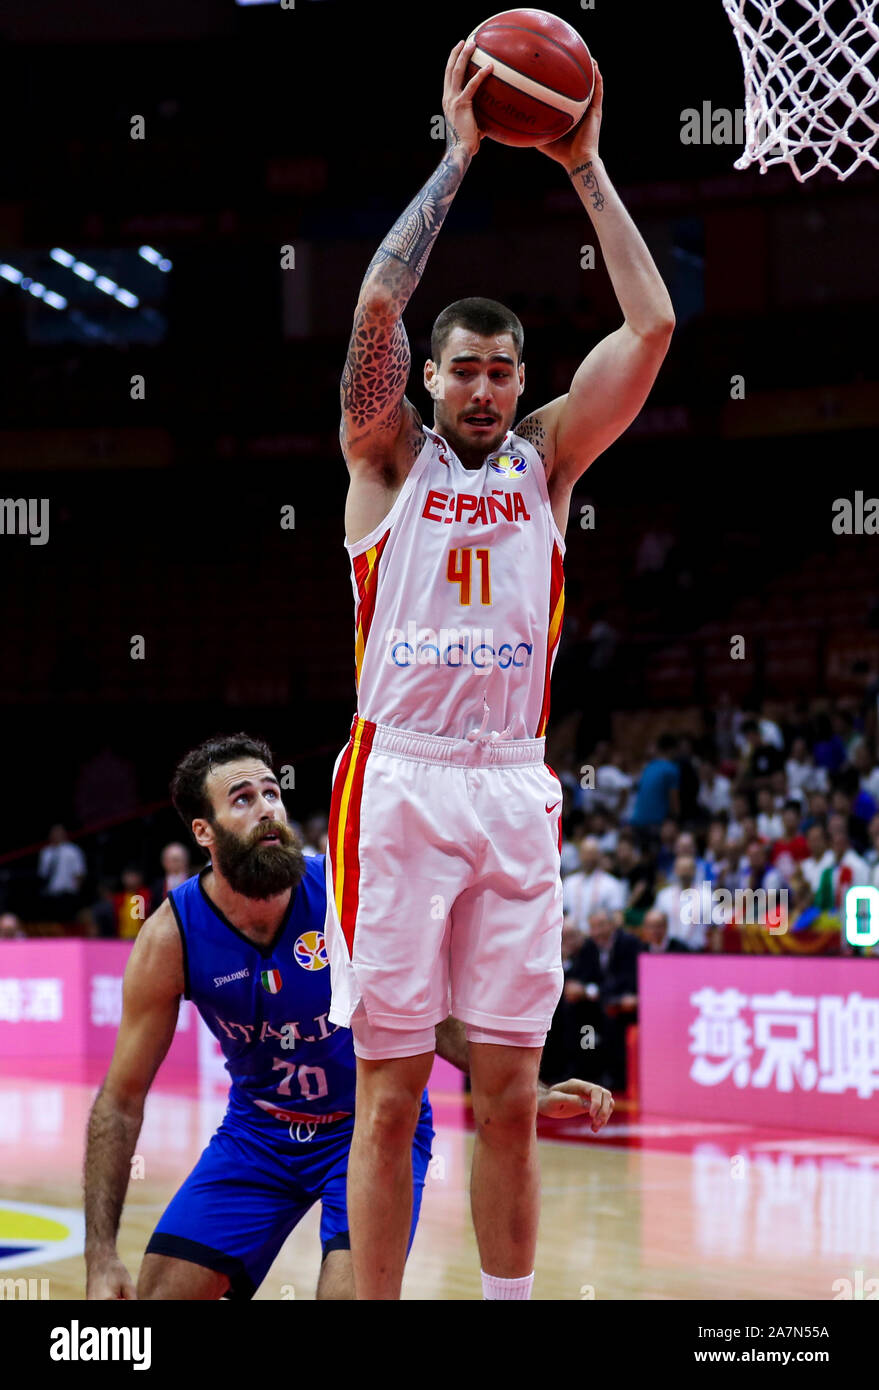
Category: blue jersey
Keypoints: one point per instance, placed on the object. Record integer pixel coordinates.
(268, 1005)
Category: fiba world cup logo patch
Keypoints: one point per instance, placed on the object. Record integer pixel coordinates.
(310, 950)
(509, 465)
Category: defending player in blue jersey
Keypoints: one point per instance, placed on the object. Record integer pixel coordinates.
(243, 940)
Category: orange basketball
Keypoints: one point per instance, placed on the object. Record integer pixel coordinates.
(542, 81)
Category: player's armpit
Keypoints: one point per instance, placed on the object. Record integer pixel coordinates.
(539, 428)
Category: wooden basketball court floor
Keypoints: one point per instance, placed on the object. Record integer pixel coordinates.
(651, 1208)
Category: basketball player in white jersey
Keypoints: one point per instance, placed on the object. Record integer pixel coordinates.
(443, 851)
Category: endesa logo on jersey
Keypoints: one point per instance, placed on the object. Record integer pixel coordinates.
(447, 507)
(474, 648)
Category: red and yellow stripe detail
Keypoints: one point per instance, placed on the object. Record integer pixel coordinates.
(343, 837)
(556, 613)
(366, 578)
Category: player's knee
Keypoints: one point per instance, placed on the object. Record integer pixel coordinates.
(162, 1277)
(508, 1112)
(388, 1115)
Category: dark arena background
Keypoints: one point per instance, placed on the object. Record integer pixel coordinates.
(179, 429)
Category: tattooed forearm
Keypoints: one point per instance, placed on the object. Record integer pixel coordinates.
(590, 182)
(410, 239)
(377, 367)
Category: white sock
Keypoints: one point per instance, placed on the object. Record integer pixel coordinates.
(494, 1288)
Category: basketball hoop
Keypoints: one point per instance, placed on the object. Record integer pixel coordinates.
(811, 83)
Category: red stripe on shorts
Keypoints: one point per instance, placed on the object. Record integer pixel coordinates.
(344, 828)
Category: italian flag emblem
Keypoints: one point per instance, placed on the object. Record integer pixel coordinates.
(271, 980)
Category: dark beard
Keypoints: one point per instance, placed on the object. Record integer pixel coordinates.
(256, 870)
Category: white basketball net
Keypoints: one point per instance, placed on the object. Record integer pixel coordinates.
(811, 83)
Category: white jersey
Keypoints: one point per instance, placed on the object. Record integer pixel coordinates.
(459, 594)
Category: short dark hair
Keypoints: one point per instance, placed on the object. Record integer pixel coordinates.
(666, 742)
(188, 793)
(484, 316)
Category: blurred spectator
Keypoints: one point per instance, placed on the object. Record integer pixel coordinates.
(756, 871)
(778, 787)
(759, 758)
(802, 774)
(868, 775)
(658, 795)
(688, 780)
(133, 903)
(854, 802)
(656, 935)
(590, 888)
(715, 790)
(103, 912)
(769, 823)
(678, 910)
(741, 810)
(603, 981)
(603, 828)
(570, 857)
(652, 553)
(176, 869)
(665, 854)
(769, 732)
(612, 785)
(61, 869)
(830, 750)
(726, 720)
(717, 857)
(685, 846)
(315, 836)
(820, 855)
(791, 847)
(10, 928)
(819, 808)
(637, 875)
(846, 870)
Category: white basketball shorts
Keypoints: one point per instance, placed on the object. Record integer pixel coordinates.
(443, 886)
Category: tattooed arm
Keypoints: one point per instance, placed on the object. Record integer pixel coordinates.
(377, 367)
(613, 381)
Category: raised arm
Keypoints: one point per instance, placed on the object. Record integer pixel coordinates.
(374, 379)
(151, 994)
(612, 383)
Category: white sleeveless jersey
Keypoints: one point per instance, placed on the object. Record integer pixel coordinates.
(459, 594)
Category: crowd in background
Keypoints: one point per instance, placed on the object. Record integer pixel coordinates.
(789, 807)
